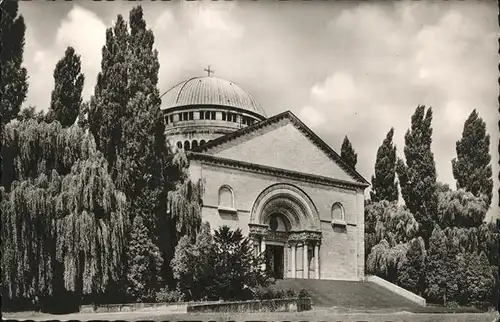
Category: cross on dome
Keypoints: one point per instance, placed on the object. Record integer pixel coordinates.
(209, 71)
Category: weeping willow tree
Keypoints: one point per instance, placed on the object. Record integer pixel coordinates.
(60, 231)
(32, 147)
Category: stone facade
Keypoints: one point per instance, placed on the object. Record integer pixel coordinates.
(286, 189)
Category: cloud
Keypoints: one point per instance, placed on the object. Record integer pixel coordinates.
(81, 29)
(399, 58)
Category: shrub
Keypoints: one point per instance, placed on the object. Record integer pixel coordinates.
(303, 293)
(168, 296)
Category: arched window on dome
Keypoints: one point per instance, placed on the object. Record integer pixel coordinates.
(179, 144)
(226, 199)
(194, 144)
(338, 214)
(187, 145)
(202, 142)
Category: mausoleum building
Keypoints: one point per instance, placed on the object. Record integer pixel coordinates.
(272, 177)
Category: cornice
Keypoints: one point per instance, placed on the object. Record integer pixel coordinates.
(267, 170)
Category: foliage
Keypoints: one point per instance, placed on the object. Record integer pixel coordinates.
(347, 153)
(29, 113)
(460, 208)
(227, 267)
(269, 294)
(411, 274)
(194, 281)
(418, 176)
(167, 296)
(107, 105)
(440, 280)
(303, 293)
(384, 186)
(471, 167)
(385, 261)
(389, 221)
(66, 97)
(144, 266)
(14, 79)
(60, 230)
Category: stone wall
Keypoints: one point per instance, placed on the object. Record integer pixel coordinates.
(275, 305)
(342, 249)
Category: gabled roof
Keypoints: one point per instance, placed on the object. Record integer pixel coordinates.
(334, 156)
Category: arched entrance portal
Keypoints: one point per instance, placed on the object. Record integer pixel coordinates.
(285, 228)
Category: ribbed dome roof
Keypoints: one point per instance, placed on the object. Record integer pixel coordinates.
(209, 91)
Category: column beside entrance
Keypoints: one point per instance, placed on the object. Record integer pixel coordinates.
(316, 260)
(305, 257)
(294, 261)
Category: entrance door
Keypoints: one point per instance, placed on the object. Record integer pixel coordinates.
(275, 260)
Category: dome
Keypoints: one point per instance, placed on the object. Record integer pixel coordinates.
(198, 91)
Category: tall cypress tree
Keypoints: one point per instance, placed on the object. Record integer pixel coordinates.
(13, 77)
(384, 186)
(348, 154)
(66, 99)
(418, 176)
(144, 152)
(13, 80)
(108, 104)
(471, 167)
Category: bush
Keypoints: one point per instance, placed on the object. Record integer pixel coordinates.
(303, 294)
(168, 296)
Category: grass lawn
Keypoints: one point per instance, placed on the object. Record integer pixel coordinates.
(314, 315)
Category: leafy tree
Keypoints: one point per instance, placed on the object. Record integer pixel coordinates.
(384, 186)
(411, 275)
(476, 279)
(388, 221)
(471, 167)
(66, 99)
(348, 154)
(385, 261)
(461, 209)
(194, 280)
(13, 82)
(418, 176)
(64, 222)
(438, 276)
(226, 266)
(29, 113)
(145, 261)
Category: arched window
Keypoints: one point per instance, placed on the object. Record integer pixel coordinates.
(338, 214)
(226, 199)
(194, 145)
(179, 144)
(187, 145)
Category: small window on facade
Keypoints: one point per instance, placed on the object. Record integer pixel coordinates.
(338, 215)
(202, 142)
(191, 115)
(186, 116)
(171, 118)
(213, 115)
(179, 144)
(194, 145)
(166, 119)
(226, 197)
(202, 115)
(207, 115)
(223, 116)
(187, 145)
(180, 116)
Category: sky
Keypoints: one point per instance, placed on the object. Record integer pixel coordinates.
(343, 67)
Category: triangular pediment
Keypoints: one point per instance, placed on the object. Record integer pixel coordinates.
(283, 142)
